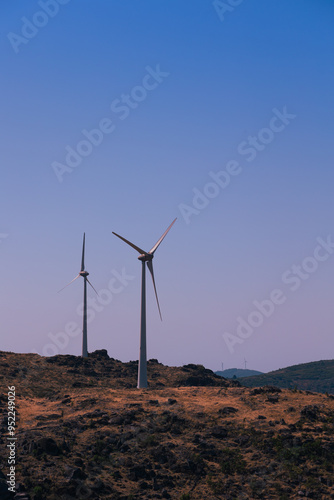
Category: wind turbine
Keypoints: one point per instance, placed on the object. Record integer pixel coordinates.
(84, 274)
(145, 257)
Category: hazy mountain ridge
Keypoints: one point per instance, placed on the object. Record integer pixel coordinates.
(84, 431)
(237, 372)
(316, 376)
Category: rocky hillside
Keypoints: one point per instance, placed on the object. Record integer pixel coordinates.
(84, 431)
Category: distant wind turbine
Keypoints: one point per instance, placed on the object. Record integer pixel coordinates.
(84, 274)
(145, 257)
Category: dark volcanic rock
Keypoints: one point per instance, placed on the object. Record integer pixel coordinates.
(227, 410)
(51, 416)
(198, 380)
(79, 384)
(21, 496)
(218, 432)
(272, 398)
(311, 412)
(46, 445)
(198, 376)
(266, 389)
(138, 472)
(100, 353)
(77, 473)
(4, 493)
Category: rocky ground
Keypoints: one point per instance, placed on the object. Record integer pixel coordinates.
(84, 431)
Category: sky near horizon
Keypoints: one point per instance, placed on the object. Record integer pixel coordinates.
(121, 116)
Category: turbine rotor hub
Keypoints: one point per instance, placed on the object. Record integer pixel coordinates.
(84, 274)
(144, 257)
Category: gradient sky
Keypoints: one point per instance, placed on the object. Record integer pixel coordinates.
(224, 73)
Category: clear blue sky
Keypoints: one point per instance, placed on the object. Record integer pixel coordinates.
(180, 90)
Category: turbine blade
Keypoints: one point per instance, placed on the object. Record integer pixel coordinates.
(160, 240)
(69, 283)
(129, 243)
(150, 267)
(83, 255)
(91, 286)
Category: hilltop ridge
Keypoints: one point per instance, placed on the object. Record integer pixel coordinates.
(97, 370)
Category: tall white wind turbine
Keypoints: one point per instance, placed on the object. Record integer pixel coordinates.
(84, 274)
(145, 257)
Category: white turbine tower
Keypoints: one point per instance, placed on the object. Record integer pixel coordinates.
(145, 257)
(84, 274)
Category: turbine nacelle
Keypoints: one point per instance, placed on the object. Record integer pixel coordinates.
(82, 272)
(145, 257)
(148, 257)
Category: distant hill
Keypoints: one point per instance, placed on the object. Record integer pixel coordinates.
(238, 372)
(317, 376)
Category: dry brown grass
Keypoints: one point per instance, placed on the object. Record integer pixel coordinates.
(164, 441)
